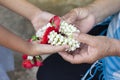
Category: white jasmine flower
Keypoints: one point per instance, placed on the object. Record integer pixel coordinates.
(30, 57)
(58, 39)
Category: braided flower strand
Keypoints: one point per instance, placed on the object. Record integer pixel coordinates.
(58, 32)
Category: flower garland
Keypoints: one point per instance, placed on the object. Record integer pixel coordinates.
(31, 61)
(56, 32)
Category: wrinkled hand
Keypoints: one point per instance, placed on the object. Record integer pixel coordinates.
(92, 49)
(40, 19)
(81, 18)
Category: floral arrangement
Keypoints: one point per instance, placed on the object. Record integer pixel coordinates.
(56, 32)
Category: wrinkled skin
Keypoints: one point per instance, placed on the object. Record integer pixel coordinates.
(81, 18)
(92, 49)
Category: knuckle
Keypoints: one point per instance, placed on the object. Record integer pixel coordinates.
(91, 60)
(72, 62)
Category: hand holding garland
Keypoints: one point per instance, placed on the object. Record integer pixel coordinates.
(16, 43)
(56, 32)
(94, 47)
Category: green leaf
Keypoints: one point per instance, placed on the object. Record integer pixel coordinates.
(38, 57)
(34, 38)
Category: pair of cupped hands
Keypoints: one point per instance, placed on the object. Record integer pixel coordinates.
(91, 49)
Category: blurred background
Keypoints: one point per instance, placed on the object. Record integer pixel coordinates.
(22, 27)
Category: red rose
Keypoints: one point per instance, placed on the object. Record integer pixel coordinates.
(24, 56)
(27, 64)
(55, 21)
(38, 63)
(45, 36)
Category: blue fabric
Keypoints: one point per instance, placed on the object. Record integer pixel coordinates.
(6, 62)
(112, 64)
(3, 74)
(93, 70)
(98, 65)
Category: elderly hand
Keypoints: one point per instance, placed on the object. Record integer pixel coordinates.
(81, 18)
(92, 49)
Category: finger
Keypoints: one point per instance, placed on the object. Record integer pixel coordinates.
(53, 49)
(66, 56)
(78, 59)
(70, 17)
(74, 59)
(84, 38)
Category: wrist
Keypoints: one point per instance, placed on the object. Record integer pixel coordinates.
(29, 49)
(117, 47)
(114, 47)
(92, 10)
(35, 14)
(97, 9)
(34, 19)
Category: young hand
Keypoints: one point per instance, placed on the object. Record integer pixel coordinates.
(40, 19)
(38, 49)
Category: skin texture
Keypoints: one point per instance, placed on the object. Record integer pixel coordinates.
(92, 47)
(86, 17)
(12, 41)
(38, 18)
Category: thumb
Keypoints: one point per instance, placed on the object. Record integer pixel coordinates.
(53, 49)
(84, 38)
(70, 17)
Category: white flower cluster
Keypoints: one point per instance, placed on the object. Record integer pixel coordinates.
(67, 29)
(30, 57)
(58, 39)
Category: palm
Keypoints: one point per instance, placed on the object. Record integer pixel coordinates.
(91, 52)
(41, 19)
(84, 54)
(85, 24)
